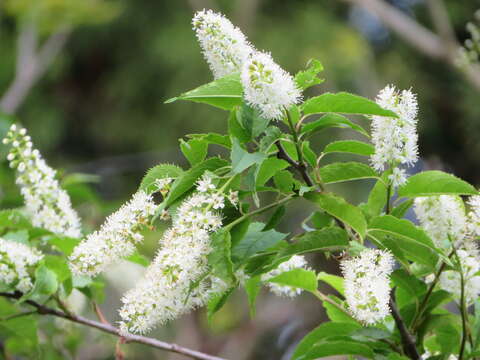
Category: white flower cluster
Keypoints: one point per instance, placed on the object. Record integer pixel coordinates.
(295, 262)
(166, 292)
(224, 46)
(367, 287)
(451, 280)
(47, 204)
(268, 87)
(443, 218)
(116, 238)
(395, 139)
(17, 263)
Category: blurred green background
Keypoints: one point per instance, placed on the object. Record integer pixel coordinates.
(99, 109)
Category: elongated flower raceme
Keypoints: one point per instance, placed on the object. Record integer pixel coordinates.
(224, 46)
(474, 216)
(116, 238)
(165, 292)
(17, 265)
(267, 87)
(295, 262)
(395, 139)
(367, 287)
(47, 204)
(443, 218)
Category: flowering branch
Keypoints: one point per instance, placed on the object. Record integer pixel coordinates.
(107, 328)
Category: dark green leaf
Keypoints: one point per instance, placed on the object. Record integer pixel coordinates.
(284, 181)
(242, 160)
(268, 168)
(435, 183)
(344, 103)
(255, 241)
(350, 146)
(327, 239)
(187, 180)
(322, 332)
(224, 93)
(346, 171)
(275, 218)
(331, 120)
(339, 208)
(251, 120)
(219, 259)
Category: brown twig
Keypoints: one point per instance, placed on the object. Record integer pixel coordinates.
(301, 168)
(408, 341)
(107, 328)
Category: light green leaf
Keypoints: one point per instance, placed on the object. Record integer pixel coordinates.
(159, 172)
(351, 147)
(46, 284)
(435, 182)
(253, 287)
(334, 281)
(327, 239)
(62, 243)
(297, 278)
(268, 168)
(194, 150)
(394, 233)
(331, 120)
(309, 77)
(242, 160)
(344, 103)
(59, 266)
(342, 210)
(13, 219)
(400, 210)
(377, 199)
(322, 332)
(224, 93)
(216, 302)
(20, 236)
(138, 258)
(346, 171)
(251, 120)
(255, 241)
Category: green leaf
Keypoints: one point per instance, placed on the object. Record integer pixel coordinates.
(138, 258)
(327, 239)
(334, 281)
(188, 178)
(242, 160)
(216, 302)
(322, 332)
(219, 259)
(346, 171)
(400, 210)
(435, 182)
(213, 138)
(59, 266)
(159, 172)
(194, 150)
(297, 278)
(255, 241)
(377, 199)
(351, 147)
(224, 93)
(339, 208)
(275, 218)
(268, 168)
(403, 234)
(13, 219)
(339, 347)
(24, 331)
(284, 181)
(331, 120)
(307, 78)
(46, 284)
(309, 154)
(344, 103)
(253, 287)
(62, 243)
(272, 134)
(20, 236)
(335, 314)
(251, 120)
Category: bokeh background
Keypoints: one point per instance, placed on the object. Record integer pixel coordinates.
(99, 109)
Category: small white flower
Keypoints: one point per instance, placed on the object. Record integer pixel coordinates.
(205, 184)
(295, 262)
(233, 198)
(443, 218)
(116, 238)
(163, 185)
(48, 205)
(395, 139)
(474, 216)
(268, 87)
(17, 262)
(224, 46)
(367, 287)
